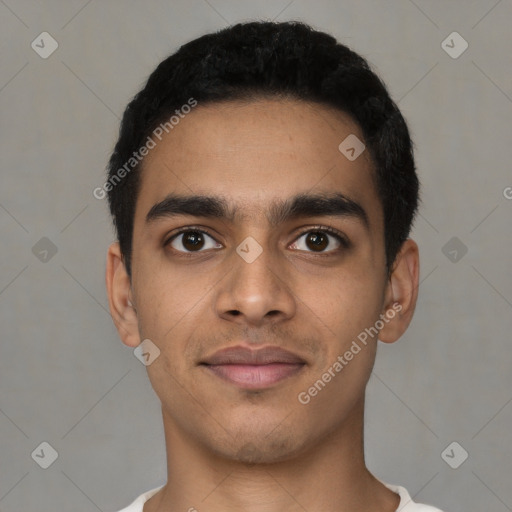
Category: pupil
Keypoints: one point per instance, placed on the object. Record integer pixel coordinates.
(318, 240)
(193, 238)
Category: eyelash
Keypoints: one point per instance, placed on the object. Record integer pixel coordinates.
(331, 231)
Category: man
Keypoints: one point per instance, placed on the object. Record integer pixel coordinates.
(263, 189)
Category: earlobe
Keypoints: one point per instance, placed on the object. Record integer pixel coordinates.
(120, 300)
(402, 290)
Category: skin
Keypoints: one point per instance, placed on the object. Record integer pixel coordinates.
(233, 449)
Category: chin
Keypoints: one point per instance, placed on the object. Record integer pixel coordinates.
(261, 448)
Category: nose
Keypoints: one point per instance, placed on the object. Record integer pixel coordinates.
(256, 292)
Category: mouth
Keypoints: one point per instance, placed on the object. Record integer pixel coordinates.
(250, 376)
(254, 369)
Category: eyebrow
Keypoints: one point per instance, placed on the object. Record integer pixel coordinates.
(279, 211)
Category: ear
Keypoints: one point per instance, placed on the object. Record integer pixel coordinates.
(120, 297)
(401, 293)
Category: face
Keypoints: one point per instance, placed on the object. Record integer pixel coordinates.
(259, 276)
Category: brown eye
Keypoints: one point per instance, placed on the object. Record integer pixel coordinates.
(319, 240)
(192, 240)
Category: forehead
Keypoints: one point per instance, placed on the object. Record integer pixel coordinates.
(252, 153)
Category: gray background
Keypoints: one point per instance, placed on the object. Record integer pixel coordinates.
(66, 378)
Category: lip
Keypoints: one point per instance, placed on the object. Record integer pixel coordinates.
(254, 369)
(243, 355)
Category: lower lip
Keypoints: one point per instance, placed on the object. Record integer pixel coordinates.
(251, 376)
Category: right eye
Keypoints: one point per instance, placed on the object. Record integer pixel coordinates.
(192, 240)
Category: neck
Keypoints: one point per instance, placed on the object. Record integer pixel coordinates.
(330, 474)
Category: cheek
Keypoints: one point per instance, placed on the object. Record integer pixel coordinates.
(348, 301)
(171, 312)
(347, 304)
(165, 298)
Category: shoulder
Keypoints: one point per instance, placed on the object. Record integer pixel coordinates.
(138, 504)
(406, 502)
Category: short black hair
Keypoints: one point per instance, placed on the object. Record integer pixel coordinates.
(266, 59)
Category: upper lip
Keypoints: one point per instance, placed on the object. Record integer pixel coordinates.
(244, 355)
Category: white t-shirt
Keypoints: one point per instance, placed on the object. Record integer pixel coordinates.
(406, 503)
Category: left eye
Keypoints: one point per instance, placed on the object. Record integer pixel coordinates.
(318, 240)
(193, 240)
